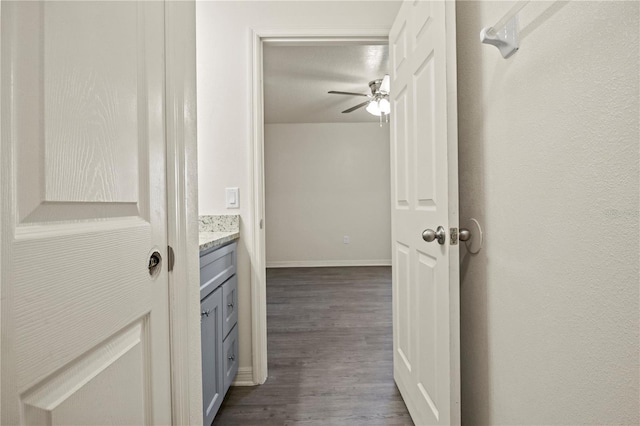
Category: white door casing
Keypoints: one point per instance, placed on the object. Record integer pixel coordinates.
(424, 195)
(283, 37)
(85, 327)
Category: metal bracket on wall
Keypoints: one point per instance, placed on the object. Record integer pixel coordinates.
(504, 34)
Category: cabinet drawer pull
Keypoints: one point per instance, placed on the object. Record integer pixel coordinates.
(232, 358)
(230, 305)
(205, 313)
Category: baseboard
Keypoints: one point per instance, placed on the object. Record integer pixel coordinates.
(244, 377)
(327, 263)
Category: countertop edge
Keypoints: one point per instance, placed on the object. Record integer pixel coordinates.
(217, 240)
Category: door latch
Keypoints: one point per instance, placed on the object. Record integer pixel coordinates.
(454, 236)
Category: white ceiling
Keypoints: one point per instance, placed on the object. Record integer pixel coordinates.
(297, 79)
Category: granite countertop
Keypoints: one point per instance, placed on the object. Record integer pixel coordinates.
(218, 230)
(215, 239)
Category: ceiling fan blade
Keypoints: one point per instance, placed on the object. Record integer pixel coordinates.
(385, 86)
(355, 107)
(334, 92)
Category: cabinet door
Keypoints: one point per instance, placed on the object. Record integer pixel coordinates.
(212, 364)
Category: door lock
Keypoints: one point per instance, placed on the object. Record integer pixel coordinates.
(154, 262)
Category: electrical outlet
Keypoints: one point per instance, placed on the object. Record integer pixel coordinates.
(345, 239)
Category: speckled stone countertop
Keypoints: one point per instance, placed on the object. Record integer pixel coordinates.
(217, 230)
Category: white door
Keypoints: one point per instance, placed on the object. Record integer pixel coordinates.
(424, 196)
(84, 323)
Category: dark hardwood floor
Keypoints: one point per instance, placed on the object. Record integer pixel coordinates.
(330, 352)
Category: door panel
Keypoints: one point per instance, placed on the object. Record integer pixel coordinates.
(423, 151)
(424, 119)
(75, 395)
(400, 131)
(403, 300)
(83, 150)
(428, 329)
(422, 17)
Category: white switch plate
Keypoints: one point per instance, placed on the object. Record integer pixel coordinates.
(232, 198)
(345, 239)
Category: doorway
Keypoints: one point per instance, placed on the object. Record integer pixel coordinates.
(300, 162)
(280, 38)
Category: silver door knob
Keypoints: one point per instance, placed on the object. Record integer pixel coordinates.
(464, 234)
(439, 234)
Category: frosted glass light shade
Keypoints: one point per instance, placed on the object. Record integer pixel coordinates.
(379, 107)
(384, 106)
(373, 108)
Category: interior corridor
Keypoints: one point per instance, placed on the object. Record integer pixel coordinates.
(330, 352)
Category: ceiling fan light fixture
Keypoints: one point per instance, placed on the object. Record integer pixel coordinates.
(379, 107)
(374, 109)
(378, 103)
(385, 106)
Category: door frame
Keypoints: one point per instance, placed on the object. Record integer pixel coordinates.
(278, 37)
(182, 211)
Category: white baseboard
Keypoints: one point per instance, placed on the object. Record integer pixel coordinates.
(327, 263)
(244, 377)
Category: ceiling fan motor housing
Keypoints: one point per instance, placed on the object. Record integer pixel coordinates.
(374, 85)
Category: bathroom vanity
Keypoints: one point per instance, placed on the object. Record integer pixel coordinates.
(218, 316)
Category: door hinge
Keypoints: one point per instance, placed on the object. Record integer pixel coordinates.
(171, 258)
(454, 236)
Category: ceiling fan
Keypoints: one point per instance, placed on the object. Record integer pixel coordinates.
(378, 102)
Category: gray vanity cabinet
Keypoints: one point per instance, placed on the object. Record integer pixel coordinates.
(219, 331)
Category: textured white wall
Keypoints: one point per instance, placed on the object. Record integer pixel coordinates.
(549, 143)
(224, 107)
(324, 181)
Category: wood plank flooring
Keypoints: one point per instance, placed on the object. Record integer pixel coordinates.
(330, 352)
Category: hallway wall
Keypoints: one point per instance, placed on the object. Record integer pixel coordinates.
(324, 181)
(548, 160)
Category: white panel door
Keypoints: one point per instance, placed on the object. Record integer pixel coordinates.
(424, 195)
(84, 322)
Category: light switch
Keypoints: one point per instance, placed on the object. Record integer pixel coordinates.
(233, 198)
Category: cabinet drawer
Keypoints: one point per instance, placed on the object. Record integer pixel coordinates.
(216, 267)
(229, 305)
(230, 358)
